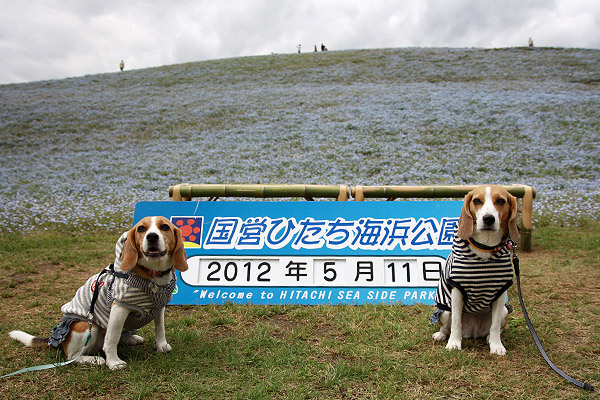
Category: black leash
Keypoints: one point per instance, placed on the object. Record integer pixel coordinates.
(95, 295)
(582, 385)
(111, 269)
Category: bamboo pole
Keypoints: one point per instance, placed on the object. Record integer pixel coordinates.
(187, 191)
(394, 192)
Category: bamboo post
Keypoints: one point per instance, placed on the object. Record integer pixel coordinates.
(527, 218)
(175, 193)
(344, 193)
(357, 193)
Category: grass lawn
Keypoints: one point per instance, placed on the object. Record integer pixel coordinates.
(80, 152)
(296, 352)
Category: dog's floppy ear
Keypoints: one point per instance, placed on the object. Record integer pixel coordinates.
(129, 255)
(513, 230)
(179, 256)
(465, 222)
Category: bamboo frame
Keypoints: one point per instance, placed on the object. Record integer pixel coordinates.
(185, 192)
(213, 192)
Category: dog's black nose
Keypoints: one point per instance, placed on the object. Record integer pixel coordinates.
(152, 237)
(489, 219)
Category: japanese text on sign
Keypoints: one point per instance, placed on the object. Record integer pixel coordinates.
(308, 233)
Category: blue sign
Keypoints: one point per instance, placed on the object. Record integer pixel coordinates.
(325, 252)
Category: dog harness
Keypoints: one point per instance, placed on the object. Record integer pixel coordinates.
(480, 281)
(140, 295)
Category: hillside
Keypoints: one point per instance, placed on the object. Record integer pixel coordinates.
(79, 153)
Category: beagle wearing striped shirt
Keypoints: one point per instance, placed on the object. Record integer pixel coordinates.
(471, 295)
(131, 292)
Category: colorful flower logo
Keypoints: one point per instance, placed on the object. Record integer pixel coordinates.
(191, 230)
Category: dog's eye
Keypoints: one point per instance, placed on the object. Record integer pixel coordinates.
(141, 229)
(477, 202)
(500, 202)
(165, 227)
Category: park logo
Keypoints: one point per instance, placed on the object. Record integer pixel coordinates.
(191, 230)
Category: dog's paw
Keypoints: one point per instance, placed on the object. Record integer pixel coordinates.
(98, 360)
(115, 365)
(90, 360)
(131, 340)
(163, 347)
(439, 337)
(454, 345)
(497, 349)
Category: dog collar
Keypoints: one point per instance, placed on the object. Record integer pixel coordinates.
(154, 273)
(486, 248)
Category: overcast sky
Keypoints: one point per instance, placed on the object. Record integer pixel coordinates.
(53, 39)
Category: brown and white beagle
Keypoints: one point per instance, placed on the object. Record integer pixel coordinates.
(471, 295)
(131, 294)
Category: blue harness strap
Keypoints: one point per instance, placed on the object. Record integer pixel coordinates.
(49, 366)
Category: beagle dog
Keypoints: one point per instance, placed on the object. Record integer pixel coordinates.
(131, 292)
(471, 294)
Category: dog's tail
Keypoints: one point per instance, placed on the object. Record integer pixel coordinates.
(28, 340)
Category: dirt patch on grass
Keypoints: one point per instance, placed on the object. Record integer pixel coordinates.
(283, 325)
(41, 269)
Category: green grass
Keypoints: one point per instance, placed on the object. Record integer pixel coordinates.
(298, 352)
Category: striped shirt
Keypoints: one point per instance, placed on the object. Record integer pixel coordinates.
(141, 296)
(480, 281)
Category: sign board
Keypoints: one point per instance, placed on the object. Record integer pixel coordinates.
(326, 252)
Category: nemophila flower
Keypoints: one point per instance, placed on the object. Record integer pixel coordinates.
(81, 152)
